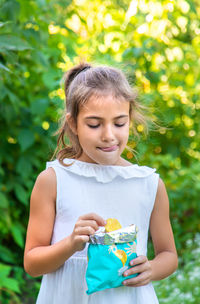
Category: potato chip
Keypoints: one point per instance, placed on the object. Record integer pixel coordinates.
(112, 224)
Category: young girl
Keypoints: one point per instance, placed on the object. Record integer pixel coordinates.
(90, 182)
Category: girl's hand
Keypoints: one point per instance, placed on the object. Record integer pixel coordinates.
(143, 267)
(86, 225)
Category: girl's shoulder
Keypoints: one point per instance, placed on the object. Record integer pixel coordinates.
(47, 176)
(46, 180)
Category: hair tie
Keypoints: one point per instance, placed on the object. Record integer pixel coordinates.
(85, 69)
(80, 71)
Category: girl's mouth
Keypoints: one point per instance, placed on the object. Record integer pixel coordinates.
(109, 149)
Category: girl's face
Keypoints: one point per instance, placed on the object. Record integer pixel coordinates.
(103, 130)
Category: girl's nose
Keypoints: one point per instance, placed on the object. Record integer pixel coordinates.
(107, 134)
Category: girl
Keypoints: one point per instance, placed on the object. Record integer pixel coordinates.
(90, 182)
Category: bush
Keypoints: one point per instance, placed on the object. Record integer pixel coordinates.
(182, 286)
(157, 45)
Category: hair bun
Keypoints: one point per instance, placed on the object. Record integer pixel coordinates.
(72, 73)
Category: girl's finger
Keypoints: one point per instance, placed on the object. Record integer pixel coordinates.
(137, 280)
(139, 260)
(84, 238)
(136, 269)
(92, 223)
(84, 230)
(93, 216)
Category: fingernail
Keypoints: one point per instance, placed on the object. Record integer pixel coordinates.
(124, 283)
(125, 273)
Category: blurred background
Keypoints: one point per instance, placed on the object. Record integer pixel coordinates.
(157, 45)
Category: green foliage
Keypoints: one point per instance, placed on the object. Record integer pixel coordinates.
(157, 44)
(5, 281)
(182, 286)
(28, 73)
(183, 186)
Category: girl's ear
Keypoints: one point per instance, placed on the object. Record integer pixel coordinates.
(71, 123)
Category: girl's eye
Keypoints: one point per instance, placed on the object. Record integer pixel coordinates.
(93, 127)
(119, 125)
(96, 126)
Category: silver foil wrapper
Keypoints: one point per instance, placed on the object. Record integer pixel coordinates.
(124, 235)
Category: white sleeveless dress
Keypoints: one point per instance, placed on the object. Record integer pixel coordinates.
(126, 193)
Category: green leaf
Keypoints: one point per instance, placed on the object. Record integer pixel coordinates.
(13, 43)
(11, 284)
(10, 9)
(40, 57)
(7, 282)
(26, 139)
(4, 23)
(3, 201)
(3, 67)
(2, 171)
(4, 272)
(39, 106)
(11, 57)
(50, 78)
(17, 234)
(21, 194)
(41, 2)
(6, 255)
(23, 166)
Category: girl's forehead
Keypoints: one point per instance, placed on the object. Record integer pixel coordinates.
(105, 104)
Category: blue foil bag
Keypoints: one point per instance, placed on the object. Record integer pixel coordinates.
(109, 255)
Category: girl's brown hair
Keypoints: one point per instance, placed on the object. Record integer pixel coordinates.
(83, 82)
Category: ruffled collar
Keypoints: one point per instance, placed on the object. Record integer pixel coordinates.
(103, 173)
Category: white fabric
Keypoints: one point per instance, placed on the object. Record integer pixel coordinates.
(126, 193)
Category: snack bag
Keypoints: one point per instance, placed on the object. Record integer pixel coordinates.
(109, 255)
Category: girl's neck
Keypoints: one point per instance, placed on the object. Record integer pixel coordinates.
(122, 162)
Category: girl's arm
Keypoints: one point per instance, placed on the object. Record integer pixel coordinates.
(40, 256)
(165, 261)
